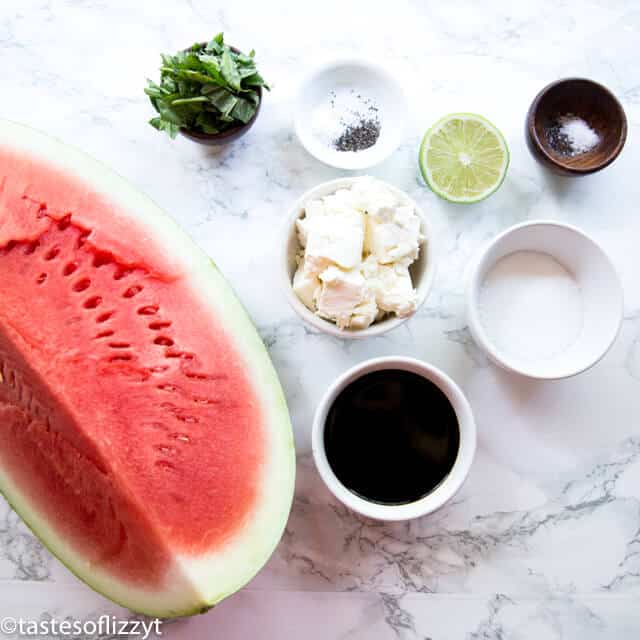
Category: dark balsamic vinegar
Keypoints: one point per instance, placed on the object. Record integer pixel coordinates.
(391, 436)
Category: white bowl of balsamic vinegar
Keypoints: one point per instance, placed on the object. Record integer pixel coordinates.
(394, 438)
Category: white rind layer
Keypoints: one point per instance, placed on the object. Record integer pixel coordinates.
(194, 583)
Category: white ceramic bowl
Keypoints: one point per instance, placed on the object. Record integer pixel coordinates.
(451, 483)
(370, 80)
(422, 270)
(596, 277)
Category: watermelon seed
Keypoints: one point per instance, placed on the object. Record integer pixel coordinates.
(132, 291)
(158, 368)
(178, 413)
(121, 357)
(82, 284)
(41, 278)
(172, 354)
(163, 341)
(156, 326)
(187, 418)
(119, 345)
(198, 376)
(121, 273)
(103, 317)
(69, 268)
(165, 448)
(167, 387)
(181, 437)
(92, 303)
(63, 223)
(82, 238)
(101, 258)
(52, 253)
(203, 400)
(165, 464)
(105, 334)
(31, 247)
(149, 310)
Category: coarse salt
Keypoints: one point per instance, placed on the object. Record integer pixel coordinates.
(573, 135)
(530, 306)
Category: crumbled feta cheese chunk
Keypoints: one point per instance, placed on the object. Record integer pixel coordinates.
(391, 285)
(305, 286)
(365, 313)
(332, 239)
(314, 209)
(393, 235)
(341, 292)
(371, 195)
(340, 202)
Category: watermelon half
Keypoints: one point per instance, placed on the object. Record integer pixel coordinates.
(144, 436)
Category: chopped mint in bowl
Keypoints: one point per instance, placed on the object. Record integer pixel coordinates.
(210, 93)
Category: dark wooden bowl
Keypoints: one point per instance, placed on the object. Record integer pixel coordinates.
(219, 139)
(588, 100)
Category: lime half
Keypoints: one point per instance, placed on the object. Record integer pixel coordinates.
(463, 157)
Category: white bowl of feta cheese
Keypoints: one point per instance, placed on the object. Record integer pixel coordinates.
(358, 258)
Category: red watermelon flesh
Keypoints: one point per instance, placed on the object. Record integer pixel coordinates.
(128, 419)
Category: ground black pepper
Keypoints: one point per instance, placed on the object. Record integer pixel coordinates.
(559, 141)
(360, 124)
(358, 137)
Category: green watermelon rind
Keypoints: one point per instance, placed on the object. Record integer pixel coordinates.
(264, 532)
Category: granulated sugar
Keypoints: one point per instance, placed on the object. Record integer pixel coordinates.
(530, 306)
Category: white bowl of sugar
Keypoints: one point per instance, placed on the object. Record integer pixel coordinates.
(544, 300)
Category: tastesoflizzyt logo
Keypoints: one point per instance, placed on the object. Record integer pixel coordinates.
(105, 625)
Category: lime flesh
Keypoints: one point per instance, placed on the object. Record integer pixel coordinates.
(463, 158)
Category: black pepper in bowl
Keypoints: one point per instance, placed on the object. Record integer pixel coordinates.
(358, 137)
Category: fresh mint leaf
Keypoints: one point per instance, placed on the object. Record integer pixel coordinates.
(153, 90)
(223, 100)
(252, 96)
(243, 110)
(163, 125)
(168, 84)
(216, 44)
(194, 100)
(190, 75)
(169, 114)
(244, 60)
(207, 122)
(246, 72)
(211, 65)
(229, 70)
(255, 80)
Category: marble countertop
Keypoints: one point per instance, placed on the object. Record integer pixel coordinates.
(543, 541)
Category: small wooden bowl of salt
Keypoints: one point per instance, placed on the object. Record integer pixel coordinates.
(575, 127)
